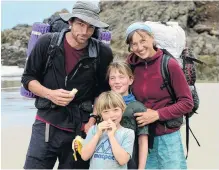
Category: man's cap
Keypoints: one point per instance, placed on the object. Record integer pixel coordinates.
(86, 11)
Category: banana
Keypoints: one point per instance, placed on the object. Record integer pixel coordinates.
(74, 91)
(78, 140)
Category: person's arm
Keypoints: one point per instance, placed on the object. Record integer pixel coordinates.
(142, 151)
(91, 140)
(121, 153)
(33, 74)
(88, 150)
(142, 133)
(36, 61)
(91, 120)
(60, 97)
(183, 94)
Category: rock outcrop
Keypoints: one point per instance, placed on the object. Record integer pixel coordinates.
(199, 20)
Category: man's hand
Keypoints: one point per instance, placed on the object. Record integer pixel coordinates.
(90, 123)
(145, 118)
(112, 128)
(60, 97)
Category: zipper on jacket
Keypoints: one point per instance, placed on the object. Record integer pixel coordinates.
(66, 78)
(145, 65)
(76, 71)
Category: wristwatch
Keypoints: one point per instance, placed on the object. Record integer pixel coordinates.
(94, 116)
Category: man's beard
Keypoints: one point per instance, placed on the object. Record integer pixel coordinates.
(83, 42)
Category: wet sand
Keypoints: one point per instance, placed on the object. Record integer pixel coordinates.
(15, 138)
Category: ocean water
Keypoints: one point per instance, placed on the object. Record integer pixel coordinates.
(15, 109)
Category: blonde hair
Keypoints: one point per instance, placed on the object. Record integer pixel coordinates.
(108, 100)
(122, 67)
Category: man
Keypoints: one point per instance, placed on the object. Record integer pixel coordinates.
(77, 61)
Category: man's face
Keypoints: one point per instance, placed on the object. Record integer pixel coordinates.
(81, 31)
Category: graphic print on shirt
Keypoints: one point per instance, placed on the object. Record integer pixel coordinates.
(104, 151)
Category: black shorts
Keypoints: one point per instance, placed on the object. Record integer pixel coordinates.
(43, 155)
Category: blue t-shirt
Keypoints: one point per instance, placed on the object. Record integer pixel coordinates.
(103, 157)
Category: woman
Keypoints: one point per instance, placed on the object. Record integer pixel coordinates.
(167, 151)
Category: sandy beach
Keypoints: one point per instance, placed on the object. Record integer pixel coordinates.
(15, 137)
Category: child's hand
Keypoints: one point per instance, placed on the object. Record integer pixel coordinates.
(112, 128)
(102, 127)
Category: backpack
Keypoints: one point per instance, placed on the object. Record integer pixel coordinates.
(57, 24)
(188, 60)
(39, 29)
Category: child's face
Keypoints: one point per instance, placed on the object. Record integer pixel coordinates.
(115, 114)
(119, 82)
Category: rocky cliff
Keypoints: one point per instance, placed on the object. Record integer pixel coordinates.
(199, 20)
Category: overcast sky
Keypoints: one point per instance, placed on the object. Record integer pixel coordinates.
(28, 12)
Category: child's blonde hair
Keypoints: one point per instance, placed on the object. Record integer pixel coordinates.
(122, 67)
(108, 100)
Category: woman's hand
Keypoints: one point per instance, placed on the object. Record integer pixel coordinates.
(145, 118)
(112, 128)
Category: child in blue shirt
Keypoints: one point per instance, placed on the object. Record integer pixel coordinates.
(109, 145)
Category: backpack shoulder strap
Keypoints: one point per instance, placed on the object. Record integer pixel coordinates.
(167, 84)
(166, 76)
(94, 51)
(50, 51)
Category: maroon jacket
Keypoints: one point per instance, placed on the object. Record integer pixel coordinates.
(146, 88)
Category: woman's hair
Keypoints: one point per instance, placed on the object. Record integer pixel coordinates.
(122, 67)
(108, 100)
(139, 32)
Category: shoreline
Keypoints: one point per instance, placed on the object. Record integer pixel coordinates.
(13, 73)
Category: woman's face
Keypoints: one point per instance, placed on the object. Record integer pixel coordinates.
(142, 44)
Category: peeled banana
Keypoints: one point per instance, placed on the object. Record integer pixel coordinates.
(74, 91)
(78, 140)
